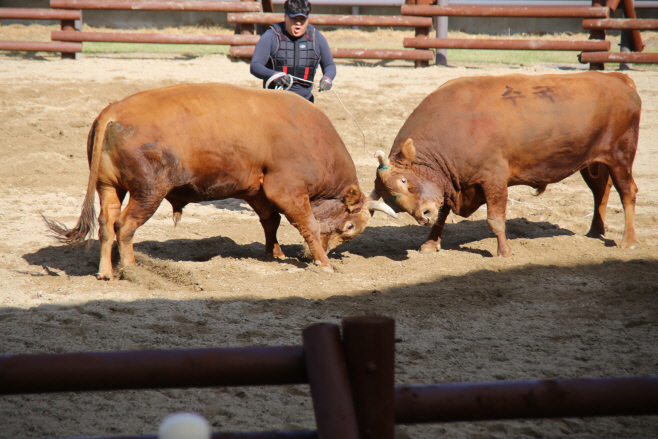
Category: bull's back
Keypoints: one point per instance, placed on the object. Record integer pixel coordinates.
(543, 126)
(240, 131)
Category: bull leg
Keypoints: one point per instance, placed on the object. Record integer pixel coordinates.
(598, 180)
(270, 226)
(294, 203)
(496, 197)
(433, 243)
(110, 201)
(304, 221)
(625, 185)
(270, 220)
(134, 215)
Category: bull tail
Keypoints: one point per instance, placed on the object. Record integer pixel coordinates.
(86, 226)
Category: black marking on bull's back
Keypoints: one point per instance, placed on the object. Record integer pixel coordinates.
(540, 91)
(513, 95)
(544, 92)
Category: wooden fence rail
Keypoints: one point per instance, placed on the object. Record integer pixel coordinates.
(351, 381)
(148, 5)
(526, 399)
(39, 14)
(491, 44)
(336, 20)
(505, 11)
(132, 37)
(67, 19)
(621, 24)
(392, 54)
(618, 57)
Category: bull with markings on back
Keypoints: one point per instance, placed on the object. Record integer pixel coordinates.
(473, 137)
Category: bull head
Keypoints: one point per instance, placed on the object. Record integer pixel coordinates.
(403, 189)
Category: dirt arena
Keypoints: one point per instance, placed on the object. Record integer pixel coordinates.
(565, 306)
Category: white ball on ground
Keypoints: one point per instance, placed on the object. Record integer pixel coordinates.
(184, 426)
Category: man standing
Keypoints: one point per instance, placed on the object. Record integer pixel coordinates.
(293, 47)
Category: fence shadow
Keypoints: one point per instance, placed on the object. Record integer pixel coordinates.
(529, 322)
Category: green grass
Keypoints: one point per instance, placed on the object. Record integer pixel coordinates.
(511, 56)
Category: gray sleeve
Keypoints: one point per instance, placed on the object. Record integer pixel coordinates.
(326, 59)
(265, 47)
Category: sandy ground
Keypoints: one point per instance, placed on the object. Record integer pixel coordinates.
(564, 307)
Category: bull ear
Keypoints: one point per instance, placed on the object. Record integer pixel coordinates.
(352, 197)
(407, 153)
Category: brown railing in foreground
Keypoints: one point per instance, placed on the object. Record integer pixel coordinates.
(351, 380)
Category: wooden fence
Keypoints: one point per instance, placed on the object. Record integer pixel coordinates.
(67, 19)
(423, 25)
(246, 14)
(351, 380)
(595, 51)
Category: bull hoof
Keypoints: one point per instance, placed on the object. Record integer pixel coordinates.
(324, 267)
(595, 235)
(104, 276)
(277, 253)
(428, 248)
(506, 254)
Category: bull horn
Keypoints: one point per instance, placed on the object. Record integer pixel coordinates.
(383, 159)
(373, 205)
(374, 195)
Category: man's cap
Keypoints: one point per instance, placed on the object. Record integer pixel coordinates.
(296, 8)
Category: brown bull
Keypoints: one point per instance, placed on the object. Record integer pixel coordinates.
(200, 142)
(473, 137)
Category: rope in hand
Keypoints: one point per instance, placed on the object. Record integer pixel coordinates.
(357, 124)
(292, 79)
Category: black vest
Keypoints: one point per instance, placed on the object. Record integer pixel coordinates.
(297, 57)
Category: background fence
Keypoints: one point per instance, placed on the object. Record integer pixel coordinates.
(247, 16)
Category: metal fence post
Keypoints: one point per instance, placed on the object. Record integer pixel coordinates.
(442, 32)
